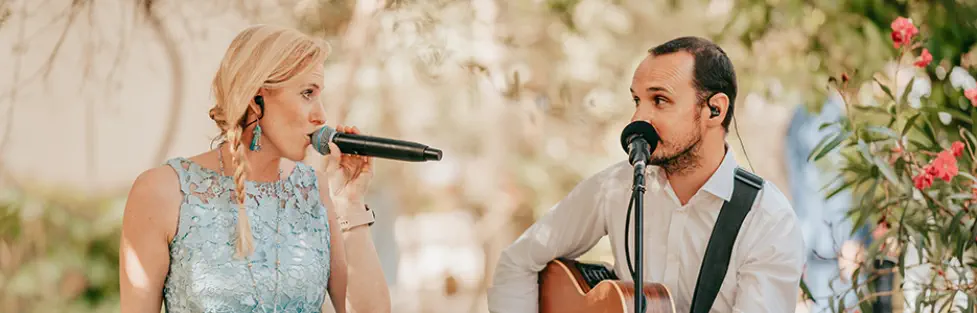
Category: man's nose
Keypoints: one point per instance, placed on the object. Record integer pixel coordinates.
(643, 115)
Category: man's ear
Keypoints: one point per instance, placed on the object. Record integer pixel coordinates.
(718, 106)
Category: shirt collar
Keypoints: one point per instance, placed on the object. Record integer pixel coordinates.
(720, 183)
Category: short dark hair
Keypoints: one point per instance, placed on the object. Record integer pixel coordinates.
(712, 72)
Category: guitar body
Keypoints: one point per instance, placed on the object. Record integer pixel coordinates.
(568, 286)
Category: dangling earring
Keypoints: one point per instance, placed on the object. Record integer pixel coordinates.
(255, 143)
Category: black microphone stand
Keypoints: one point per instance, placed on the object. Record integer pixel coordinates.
(637, 194)
(639, 139)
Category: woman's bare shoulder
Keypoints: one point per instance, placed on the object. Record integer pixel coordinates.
(154, 201)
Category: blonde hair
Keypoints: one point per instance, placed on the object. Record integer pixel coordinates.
(261, 56)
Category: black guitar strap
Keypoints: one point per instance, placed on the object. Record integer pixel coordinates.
(716, 260)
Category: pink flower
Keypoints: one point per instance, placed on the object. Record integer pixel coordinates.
(957, 148)
(972, 95)
(903, 31)
(944, 166)
(880, 230)
(923, 180)
(924, 59)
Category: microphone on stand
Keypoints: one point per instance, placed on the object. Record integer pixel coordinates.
(372, 146)
(639, 139)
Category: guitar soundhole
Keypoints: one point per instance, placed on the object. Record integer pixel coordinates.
(594, 274)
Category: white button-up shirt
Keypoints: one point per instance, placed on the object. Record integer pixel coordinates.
(765, 265)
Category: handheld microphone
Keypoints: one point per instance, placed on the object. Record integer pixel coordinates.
(639, 139)
(372, 146)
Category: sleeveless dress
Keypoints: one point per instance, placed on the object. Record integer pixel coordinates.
(204, 275)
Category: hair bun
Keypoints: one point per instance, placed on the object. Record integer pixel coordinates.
(217, 114)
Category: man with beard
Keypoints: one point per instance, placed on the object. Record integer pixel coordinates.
(686, 89)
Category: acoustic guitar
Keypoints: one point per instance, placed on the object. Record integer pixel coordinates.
(568, 286)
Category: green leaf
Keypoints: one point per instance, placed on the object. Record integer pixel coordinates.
(831, 145)
(961, 246)
(884, 131)
(870, 109)
(969, 238)
(946, 301)
(909, 124)
(919, 301)
(866, 209)
(839, 189)
(968, 176)
(970, 137)
(973, 117)
(954, 226)
(885, 88)
(864, 305)
(953, 112)
(905, 93)
(928, 130)
(921, 242)
(902, 262)
(863, 150)
(807, 291)
(821, 144)
(887, 172)
(960, 195)
(920, 144)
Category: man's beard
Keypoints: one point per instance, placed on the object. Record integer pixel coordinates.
(682, 162)
(686, 159)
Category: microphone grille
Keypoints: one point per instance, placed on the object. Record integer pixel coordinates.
(642, 129)
(321, 138)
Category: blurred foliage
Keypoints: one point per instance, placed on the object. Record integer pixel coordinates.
(908, 156)
(810, 41)
(59, 253)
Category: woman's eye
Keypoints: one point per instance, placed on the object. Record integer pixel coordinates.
(307, 93)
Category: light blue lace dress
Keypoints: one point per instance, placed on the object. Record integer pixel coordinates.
(204, 275)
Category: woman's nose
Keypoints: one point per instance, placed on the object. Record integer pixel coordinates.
(318, 116)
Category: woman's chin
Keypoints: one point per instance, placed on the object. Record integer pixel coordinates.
(296, 155)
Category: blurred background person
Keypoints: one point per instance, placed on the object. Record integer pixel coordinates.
(832, 252)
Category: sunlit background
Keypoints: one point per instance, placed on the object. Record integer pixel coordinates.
(525, 97)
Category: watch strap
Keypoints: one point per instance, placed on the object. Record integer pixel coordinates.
(351, 220)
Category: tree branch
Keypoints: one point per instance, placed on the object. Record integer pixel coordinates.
(8, 125)
(74, 10)
(176, 67)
